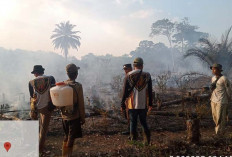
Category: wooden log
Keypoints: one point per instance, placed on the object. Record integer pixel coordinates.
(165, 113)
(9, 111)
(188, 99)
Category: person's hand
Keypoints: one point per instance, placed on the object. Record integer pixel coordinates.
(33, 115)
(82, 121)
(149, 110)
(121, 109)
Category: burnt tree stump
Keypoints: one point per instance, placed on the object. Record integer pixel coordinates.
(193, 131)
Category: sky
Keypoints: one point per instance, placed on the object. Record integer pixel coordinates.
(107, 26)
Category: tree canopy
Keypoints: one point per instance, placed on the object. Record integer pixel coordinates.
(180, 34)
(210, 52)
(64, 37)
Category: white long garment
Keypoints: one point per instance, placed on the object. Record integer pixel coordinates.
(222, 93)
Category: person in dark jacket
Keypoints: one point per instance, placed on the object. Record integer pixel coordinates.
(127, 68)
(138, 87)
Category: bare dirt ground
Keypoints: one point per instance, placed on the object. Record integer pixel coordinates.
(102, 134)
(102, 137)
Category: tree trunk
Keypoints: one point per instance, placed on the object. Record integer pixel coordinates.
(173, 62)
(66, 54)
(159, 104)
(182, 44)
(193, 131)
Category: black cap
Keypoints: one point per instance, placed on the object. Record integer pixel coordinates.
(38, 68)
(127, 66)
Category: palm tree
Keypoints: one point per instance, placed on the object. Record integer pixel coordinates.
(214, 52)
(64, 37)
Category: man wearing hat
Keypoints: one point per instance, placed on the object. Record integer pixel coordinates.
(220, 98)
(138, 86)
(41, 101)
(73, 116)
(127, 68)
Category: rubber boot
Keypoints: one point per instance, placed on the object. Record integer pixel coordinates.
(147, 138)
(64, 149)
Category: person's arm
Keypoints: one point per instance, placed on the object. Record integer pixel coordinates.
(150, 90)
(228, 88)
(125, 95)
(81, 104)
(33, 109)
(53, 81)
(31, 90)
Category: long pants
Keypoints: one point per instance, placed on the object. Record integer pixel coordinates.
(134, 114)
(72, 130)
(45, 116)
(219, 113)
(126, 114)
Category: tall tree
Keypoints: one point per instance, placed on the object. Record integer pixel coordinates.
(214, 52)
(187, 34)
(64, 37)
(164, 27)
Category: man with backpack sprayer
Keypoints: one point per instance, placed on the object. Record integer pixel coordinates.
(72, 116)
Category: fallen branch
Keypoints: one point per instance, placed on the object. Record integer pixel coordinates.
(165, 113)
(14, 111)
(188, 99)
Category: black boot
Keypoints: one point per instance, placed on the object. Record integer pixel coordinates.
(126, 132)
(133, 136)
(147, 138)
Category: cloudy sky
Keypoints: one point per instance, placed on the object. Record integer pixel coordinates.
(106, 26)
